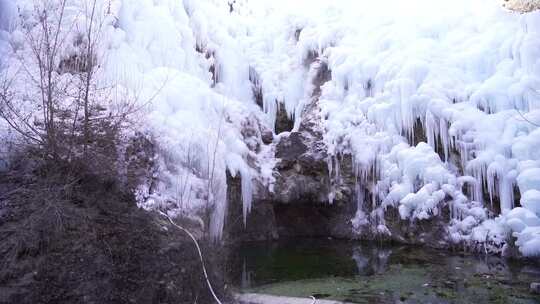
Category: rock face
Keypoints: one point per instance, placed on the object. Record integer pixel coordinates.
(283, 122)
(314, 193)
(303, 173)
(305, 201)
(535, 288)
(261, 221)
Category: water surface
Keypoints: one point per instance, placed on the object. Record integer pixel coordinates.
(374, 273)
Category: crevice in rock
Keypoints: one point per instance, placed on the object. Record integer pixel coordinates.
(305, 219)
(284, 123)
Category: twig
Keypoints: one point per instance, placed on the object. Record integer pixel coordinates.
(200, 255)
(526, 119)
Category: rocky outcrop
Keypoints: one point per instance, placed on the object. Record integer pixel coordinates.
(306, 201)
(303, 172)
(284, 123)
(316, 194)
(260, 225)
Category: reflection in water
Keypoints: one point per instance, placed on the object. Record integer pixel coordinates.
(371, 261)
(368, 273)
(246, 275)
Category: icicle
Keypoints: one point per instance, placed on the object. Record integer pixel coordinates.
(492, 172)
(478, 171)
(445, 138)
(406, 89)
(337, 166)
(359, 196)
(334, 175)
(463, 153)
(270, 107)
(374, 192)
(220, 208)
(500, 180)
(452, 207)
(431, 130)
(330, 164)
(360, 219)
(247, 193)
(506, 193)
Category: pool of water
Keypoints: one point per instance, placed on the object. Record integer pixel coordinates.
(374, 273)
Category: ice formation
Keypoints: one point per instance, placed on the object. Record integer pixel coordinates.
(437, 102)
(463, 77)
(184, 54)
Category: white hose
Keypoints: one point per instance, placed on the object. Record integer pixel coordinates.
(200, 256)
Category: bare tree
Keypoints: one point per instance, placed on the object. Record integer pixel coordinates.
(34, 111)
(89, 73)
(46, 47)
(54, 100)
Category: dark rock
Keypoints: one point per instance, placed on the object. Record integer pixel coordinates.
(284, 123)
(289, 149)
(267, 136)
(535, 288)
(292, 187)
(304, 220)
(260, 225)
(139, 162)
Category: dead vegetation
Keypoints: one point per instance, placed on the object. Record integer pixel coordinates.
(74, 237)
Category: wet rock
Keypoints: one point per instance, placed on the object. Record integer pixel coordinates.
(284, 123)
(260, 225)
(267, 136)
(289, 149)
(535, 288)
(305, 220)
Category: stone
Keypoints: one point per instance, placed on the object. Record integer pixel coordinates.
(284, 123)
(535, 288)
(253, 298)
(267, 136)
(289, 149)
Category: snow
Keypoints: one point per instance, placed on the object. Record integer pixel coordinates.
(8, 10)
(166, 50)
(7, 13)
(437, 102)
(256, 298)
(467, 73)
(187, 107)
(531, 200)
(464, 78)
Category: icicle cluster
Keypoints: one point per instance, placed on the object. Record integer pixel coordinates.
(437, 102)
